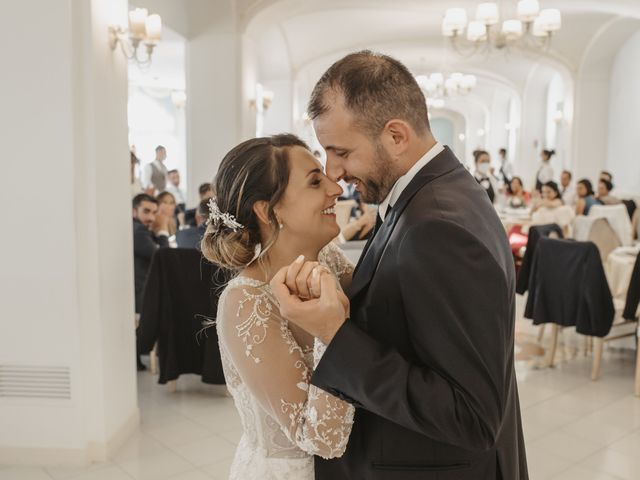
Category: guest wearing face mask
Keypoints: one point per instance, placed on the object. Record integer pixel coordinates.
(483, 173)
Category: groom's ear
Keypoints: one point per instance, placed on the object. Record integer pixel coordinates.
(398, 133)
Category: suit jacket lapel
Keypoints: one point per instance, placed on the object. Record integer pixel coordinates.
(443, 163)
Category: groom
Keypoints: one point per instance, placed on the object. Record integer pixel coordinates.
(426, 354)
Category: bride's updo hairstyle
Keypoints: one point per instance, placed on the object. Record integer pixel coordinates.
(255, 170)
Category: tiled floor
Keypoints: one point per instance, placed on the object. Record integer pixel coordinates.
(575, 429)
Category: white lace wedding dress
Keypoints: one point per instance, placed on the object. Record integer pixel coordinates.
(285, 419)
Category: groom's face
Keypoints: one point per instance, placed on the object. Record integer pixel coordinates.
(352, 155)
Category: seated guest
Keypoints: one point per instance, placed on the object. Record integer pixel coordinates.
(206, 192)
(586, 198)
(150, 231)
(550, 197)
(567, 190)
(605, 175)
(167, 208)
(191, 237)
(604, 193)
(361, 228)
(518, 198)
(549, 208)
(483, 173)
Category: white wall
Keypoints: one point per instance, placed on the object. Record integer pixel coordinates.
(532, 132)
(623, 152)
(593, 96)
(497, 134)
(277, 119)
(458, 125)
(213, 86)
(66, 283)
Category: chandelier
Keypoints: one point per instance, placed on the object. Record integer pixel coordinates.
(438, 86)
(532, 29)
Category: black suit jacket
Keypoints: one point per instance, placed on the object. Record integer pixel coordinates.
(633, 293)
(535, 234)
(145, 244)
(182, 291)
(427, 356)
(568, 287)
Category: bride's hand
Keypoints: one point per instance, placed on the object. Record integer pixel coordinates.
(299, 278)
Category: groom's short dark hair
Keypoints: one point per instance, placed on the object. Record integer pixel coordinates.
(376, 88)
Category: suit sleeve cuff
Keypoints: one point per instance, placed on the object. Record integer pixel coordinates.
(339, 368)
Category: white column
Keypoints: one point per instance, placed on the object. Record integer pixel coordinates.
(591, 124)
(66, 282)
(213, 88)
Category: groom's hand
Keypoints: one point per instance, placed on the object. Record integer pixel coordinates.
(322, 317)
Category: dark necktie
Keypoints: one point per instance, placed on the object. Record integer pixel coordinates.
(372, 237)
(379, 220)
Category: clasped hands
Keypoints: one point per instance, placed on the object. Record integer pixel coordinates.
(310, 297)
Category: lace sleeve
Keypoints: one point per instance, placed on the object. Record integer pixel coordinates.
(335, 260)
(271, 364)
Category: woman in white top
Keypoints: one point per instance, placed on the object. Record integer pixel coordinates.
(275, 204)
(545, 172)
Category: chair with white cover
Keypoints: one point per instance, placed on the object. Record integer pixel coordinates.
(597, 230)
(625, 323)
(618, 218)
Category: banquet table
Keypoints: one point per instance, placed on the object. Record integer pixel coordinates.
(511, 217)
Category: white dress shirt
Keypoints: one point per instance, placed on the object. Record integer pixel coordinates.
(405, 180)
(546, 173)
(569, 195)
(177, 193)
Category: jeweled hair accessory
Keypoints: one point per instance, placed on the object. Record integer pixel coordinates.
(216, 216)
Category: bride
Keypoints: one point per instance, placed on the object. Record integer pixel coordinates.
(274, 205)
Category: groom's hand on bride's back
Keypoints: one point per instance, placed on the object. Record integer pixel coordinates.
(321, 316)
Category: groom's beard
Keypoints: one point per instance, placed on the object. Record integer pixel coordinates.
(378, 186)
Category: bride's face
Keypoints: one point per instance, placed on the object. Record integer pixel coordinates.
(306, 208)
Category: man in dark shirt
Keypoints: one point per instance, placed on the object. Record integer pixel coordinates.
(205, 191)
(191, 237)
(150, 232)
